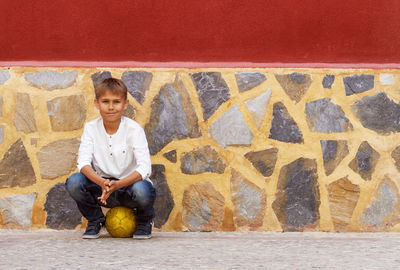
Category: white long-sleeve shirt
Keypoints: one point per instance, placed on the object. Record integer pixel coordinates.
(117, 155)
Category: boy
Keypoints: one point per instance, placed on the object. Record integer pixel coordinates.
(113, 163)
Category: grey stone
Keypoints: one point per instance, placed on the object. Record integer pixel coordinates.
(16, 168)
(16, 210)
(171, 156)
(328, 81)
(58, 158)
(62, 212)
(203, 159)
(249, 202)
(264, 161)
(258, 107)
(172, 117)
(24, 118)
(231, 129)
(212, 90)
(248, 80)
(358, 83)
(297, 197)
(2, 128)
(386, 79)
(383, 212)
(4, 76)
(1, 106)
(164, 201)
(130, 112)
(138, 83)
(283, 127)
(99, 77)
(294, 84)
(375, 213)
(203, 208)
(329, 149)
(327, 117)
(67, 113)
(51, 79)
(396, 157)
(365, 161)
(378, 113)
(333, 152)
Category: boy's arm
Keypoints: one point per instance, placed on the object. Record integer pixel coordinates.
(85, 157)
(93, 176)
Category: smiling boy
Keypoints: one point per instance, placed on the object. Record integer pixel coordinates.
(114, 164)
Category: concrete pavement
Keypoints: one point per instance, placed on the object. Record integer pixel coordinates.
(214, 250)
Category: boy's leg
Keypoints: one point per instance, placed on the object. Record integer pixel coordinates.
(85, 192)
(141, 195)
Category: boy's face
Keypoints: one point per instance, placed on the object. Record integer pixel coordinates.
(111, 106)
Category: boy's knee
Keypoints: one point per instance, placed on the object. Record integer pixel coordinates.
(74, 185)
(144, 193)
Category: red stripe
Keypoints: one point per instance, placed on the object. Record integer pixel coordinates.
(192, 65)
(210, 31)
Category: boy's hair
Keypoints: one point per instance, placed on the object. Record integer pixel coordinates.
(115, 86)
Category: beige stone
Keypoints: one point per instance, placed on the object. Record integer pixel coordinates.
(294, 84)
(130, 112)
(343, 198)
(67, 113)
(396, 157)
(24, 117)
(16, 168)
(264, 161)
(203, 208)
(58, 158)
(249, 202)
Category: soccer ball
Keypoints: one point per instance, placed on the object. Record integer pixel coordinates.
(120, 222)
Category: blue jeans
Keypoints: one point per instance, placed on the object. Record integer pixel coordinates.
(140, 195)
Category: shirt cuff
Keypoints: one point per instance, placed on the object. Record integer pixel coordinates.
(144, 173)
(81, 165)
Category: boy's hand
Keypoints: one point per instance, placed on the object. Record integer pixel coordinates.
(104, 189)
(111, 186)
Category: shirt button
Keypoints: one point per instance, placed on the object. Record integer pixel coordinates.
(110, 145)
(110, 154)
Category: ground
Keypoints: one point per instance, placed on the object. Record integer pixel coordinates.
(211, 250)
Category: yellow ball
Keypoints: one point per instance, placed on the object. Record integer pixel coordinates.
(120, 222)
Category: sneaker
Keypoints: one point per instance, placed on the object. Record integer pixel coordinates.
(143, 230)
(92, 230)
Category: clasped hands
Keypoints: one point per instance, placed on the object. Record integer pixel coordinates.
(107, 188)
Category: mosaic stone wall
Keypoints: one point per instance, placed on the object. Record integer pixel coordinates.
(232, 149)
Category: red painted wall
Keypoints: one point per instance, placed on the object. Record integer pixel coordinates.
(263, 31)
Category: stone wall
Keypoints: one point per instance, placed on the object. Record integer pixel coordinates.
(232, 149)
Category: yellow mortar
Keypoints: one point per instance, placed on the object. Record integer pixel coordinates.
(233, 155)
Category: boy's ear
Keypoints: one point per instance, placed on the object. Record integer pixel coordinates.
(96, 103)
(126, 103)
